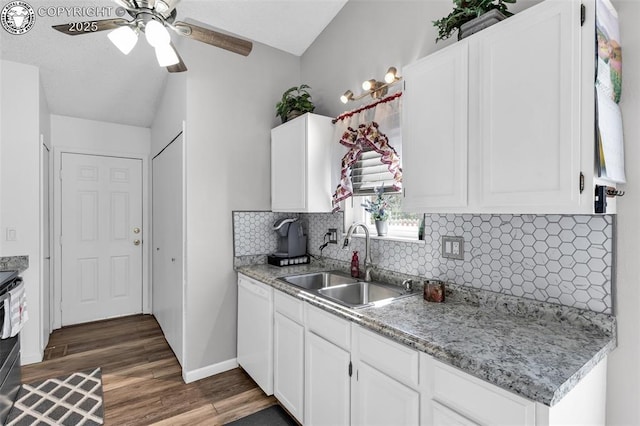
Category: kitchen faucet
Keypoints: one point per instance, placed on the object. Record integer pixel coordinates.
(368, 264)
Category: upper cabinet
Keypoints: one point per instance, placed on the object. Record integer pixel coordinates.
(301, 165)
(503, 121)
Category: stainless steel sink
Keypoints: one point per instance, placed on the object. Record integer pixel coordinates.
(345, 290)
(319, 280)
(361, 294)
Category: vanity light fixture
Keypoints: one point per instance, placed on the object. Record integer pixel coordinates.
(375, 89)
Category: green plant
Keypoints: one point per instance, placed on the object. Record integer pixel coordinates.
(466, 10)
(378, 207)
(294, 99)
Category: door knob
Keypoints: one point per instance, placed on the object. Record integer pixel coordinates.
(136, 242)
(136, 230)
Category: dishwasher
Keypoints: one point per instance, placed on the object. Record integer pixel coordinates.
(255, 331)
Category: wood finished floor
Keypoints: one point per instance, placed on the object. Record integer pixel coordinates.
(141, 377)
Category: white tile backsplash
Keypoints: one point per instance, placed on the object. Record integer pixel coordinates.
(553, 258)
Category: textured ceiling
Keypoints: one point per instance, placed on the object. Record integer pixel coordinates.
(87, 77)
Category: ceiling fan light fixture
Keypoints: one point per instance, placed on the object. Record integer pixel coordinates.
(124, 38)
(161, 6)
(166, 55)
(156, 34)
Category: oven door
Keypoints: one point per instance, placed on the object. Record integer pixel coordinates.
(10, 375)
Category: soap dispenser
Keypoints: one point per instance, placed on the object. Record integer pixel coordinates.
(355, 265)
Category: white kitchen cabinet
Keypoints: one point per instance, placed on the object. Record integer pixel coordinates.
(327, 369)
(385, 390)
(435, 115)
(255, 331)
(301, 165)
(523, 131)
(452, 397)
(288, 354)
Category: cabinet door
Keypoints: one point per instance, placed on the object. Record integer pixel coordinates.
(288, 383)
(327, 383)
(288, 166)
(434, 130)
(526, 115)
(381, 400)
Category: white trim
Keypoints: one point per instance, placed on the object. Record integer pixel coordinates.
(57, 225)
(32, 358)
(208, 371)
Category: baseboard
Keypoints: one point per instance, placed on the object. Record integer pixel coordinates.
(32, 358)
(209, 370)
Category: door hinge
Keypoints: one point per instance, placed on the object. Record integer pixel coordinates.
(60, 175)
(350, 369)
(581, 182)
(583, 14)
(60, 240)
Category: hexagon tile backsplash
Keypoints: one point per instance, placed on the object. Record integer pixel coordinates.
(551, 258)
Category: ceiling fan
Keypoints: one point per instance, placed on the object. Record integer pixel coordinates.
(153, 17)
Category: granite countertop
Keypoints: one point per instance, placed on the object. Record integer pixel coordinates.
(14, 263)
(537, 350)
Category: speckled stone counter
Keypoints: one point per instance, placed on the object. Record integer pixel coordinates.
(537, 350)
(14, 263)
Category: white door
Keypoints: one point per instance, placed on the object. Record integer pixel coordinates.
(288, 364)
(327, 383)
(434, 131)
(288, 166)
(381, 400)
(101, 237)
(528, 109)
(168, 257)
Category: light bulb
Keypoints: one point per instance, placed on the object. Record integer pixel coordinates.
(391, 75)
(124, 38)
(368, 84)
(166, 55)
(156, 33)
(348, 95)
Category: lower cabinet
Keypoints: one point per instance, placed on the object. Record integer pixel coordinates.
(329, 371)
(386, 379)
(288, 354)
(327, 365)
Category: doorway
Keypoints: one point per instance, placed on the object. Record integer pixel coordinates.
(101, 237)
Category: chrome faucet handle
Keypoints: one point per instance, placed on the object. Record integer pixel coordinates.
(408, 285)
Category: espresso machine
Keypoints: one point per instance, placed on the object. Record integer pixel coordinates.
(292, 243)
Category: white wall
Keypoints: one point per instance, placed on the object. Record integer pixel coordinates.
(623, 390)
(171, 112)
(230, 112)
(69, 134)
(367, 37)
(20, 187)
(46, 285)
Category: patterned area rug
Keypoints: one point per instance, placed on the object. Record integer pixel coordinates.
(70, 400)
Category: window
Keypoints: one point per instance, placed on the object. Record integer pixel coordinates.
(401, 224)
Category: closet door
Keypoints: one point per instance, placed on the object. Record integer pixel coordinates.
(168, 255)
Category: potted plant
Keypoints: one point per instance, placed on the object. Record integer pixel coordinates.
(295, 101)
(465, 11)
(379, 211)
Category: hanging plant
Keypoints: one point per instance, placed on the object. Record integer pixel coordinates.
(466, 10)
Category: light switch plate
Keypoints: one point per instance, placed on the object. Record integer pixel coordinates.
(453, 247)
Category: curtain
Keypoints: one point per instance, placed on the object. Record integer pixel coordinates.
(373, 127)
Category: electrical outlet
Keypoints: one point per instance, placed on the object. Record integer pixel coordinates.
(453, 247)
(333, 236)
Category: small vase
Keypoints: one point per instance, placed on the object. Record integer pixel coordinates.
(382, 227)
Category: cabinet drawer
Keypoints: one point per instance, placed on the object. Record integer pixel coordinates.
(396, 360)
(475, 399)
(334, 329)
(289, 306)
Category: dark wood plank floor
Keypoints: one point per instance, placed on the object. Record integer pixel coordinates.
(141, 377)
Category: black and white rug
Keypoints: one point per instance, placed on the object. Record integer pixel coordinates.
(75, 399)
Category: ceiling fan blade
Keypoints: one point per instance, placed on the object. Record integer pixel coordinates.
(214, 38)
(180, 66)
(88, 27)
